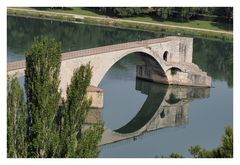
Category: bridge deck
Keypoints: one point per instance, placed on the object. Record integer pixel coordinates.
(98, 50)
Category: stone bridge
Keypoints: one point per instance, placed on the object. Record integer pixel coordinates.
(165, 106)
(173, 55)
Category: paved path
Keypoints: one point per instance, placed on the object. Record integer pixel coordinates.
(122, 20)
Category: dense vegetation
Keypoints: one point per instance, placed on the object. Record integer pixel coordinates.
(216, 58)
(215, 18)
(225, 150)
(224, 14)
(47, 125)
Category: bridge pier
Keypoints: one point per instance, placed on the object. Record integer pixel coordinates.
(96, 94)
(189, 76)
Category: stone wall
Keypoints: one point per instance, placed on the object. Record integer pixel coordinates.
(96, 95)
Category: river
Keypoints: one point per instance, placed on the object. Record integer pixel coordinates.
(149, 119)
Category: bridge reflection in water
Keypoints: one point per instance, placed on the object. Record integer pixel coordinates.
(166, 106)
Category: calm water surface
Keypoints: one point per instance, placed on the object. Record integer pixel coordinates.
(167, 119)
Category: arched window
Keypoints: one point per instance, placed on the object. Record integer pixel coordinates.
(174, 70)
(165, 55)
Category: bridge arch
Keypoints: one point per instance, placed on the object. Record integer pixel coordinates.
(174, 70)
(156, 62)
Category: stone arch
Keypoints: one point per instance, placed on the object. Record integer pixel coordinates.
(174, 70)
(101, 63)
(126, 53)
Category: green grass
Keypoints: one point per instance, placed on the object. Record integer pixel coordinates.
(195, 23)
(156, 28)
(76, 10)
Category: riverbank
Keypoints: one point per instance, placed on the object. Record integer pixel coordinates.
(123, 23)
(197, 23)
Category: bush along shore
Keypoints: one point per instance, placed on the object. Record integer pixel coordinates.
(105, 21)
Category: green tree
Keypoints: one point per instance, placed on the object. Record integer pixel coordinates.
(76, 142)
(225, 14)
(16, 120)
(43, 61)
(225, 150)
(163, 12)
(54, 126)
(176, 155)
(216, 14)
(88, 143)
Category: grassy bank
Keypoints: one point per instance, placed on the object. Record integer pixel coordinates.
(157, 28)
(150, 19)
(119, 23)
(75, 10)
(14, 12)
(193, 23)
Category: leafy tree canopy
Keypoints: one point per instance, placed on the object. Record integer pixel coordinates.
(225, 150)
